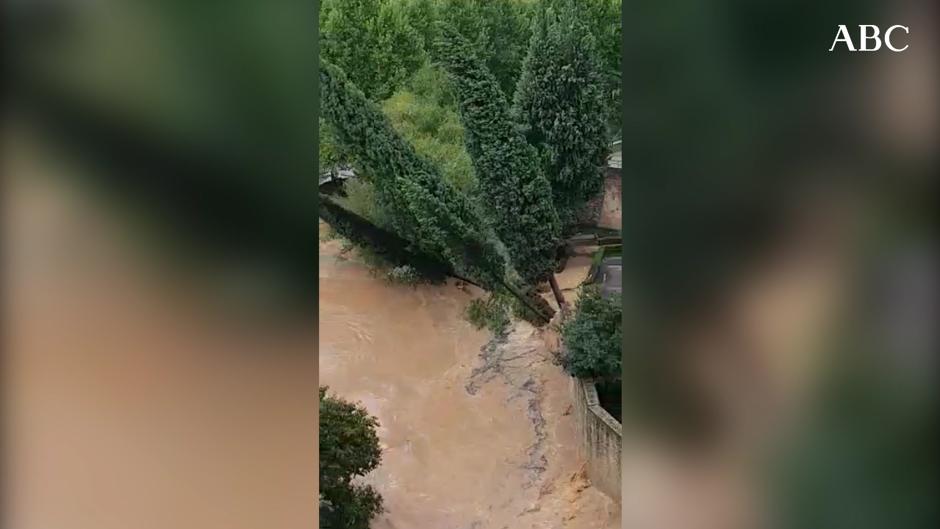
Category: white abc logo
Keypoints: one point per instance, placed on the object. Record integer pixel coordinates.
(866, 34)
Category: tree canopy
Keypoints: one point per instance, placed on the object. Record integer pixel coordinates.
(515, 193)
(442, 160)
(372, 41)
(498, 30)
(560, 104)
(422, 206)
(349, 447)
(425, 113)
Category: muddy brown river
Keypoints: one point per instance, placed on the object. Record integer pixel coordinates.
(476, 433)
(120, 383)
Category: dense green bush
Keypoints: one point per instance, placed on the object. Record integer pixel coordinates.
(560, 104)
(514, 191)
(426, 115)
(430, 83)
(399, 274)
(593, 337)
(349, 447)
(372, 41)
(422, 15)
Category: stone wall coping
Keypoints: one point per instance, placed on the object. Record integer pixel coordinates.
(594, 406)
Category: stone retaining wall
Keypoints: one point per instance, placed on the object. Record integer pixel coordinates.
(600, 438)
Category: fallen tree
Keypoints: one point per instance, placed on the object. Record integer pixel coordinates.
(398, 251)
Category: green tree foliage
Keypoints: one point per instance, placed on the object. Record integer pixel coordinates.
(603, 19)
(426, 115)
(331, 153)
(513, 188)
(560, 104)
(489, 313)
(379, 247)
(372, 41)
(431, 83)
(422, 15)
(422, 207)
(497, 29)
(360, 199)
(494, 311)
(593, 337)
(349, 447)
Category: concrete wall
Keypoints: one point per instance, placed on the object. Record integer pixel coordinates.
(601, 438)
(604, 210)
(611, 207)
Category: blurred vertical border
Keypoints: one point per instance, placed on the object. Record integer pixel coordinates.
(753, 156)
(160, 275)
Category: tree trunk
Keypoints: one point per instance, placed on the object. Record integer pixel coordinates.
(526, 301)
(559, 297)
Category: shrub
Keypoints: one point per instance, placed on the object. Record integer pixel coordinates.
(430, 83)
(349, 447)
(428, 119)
(593, 337)
(404, 274)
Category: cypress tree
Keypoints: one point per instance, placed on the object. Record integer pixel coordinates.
(421, 16)
(422, 206)
(516, 194)
(499, 29)
(390, 247)
(560, 104)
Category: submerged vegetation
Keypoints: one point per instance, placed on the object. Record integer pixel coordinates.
(489, 313)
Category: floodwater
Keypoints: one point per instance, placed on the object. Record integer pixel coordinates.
(476, 433)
